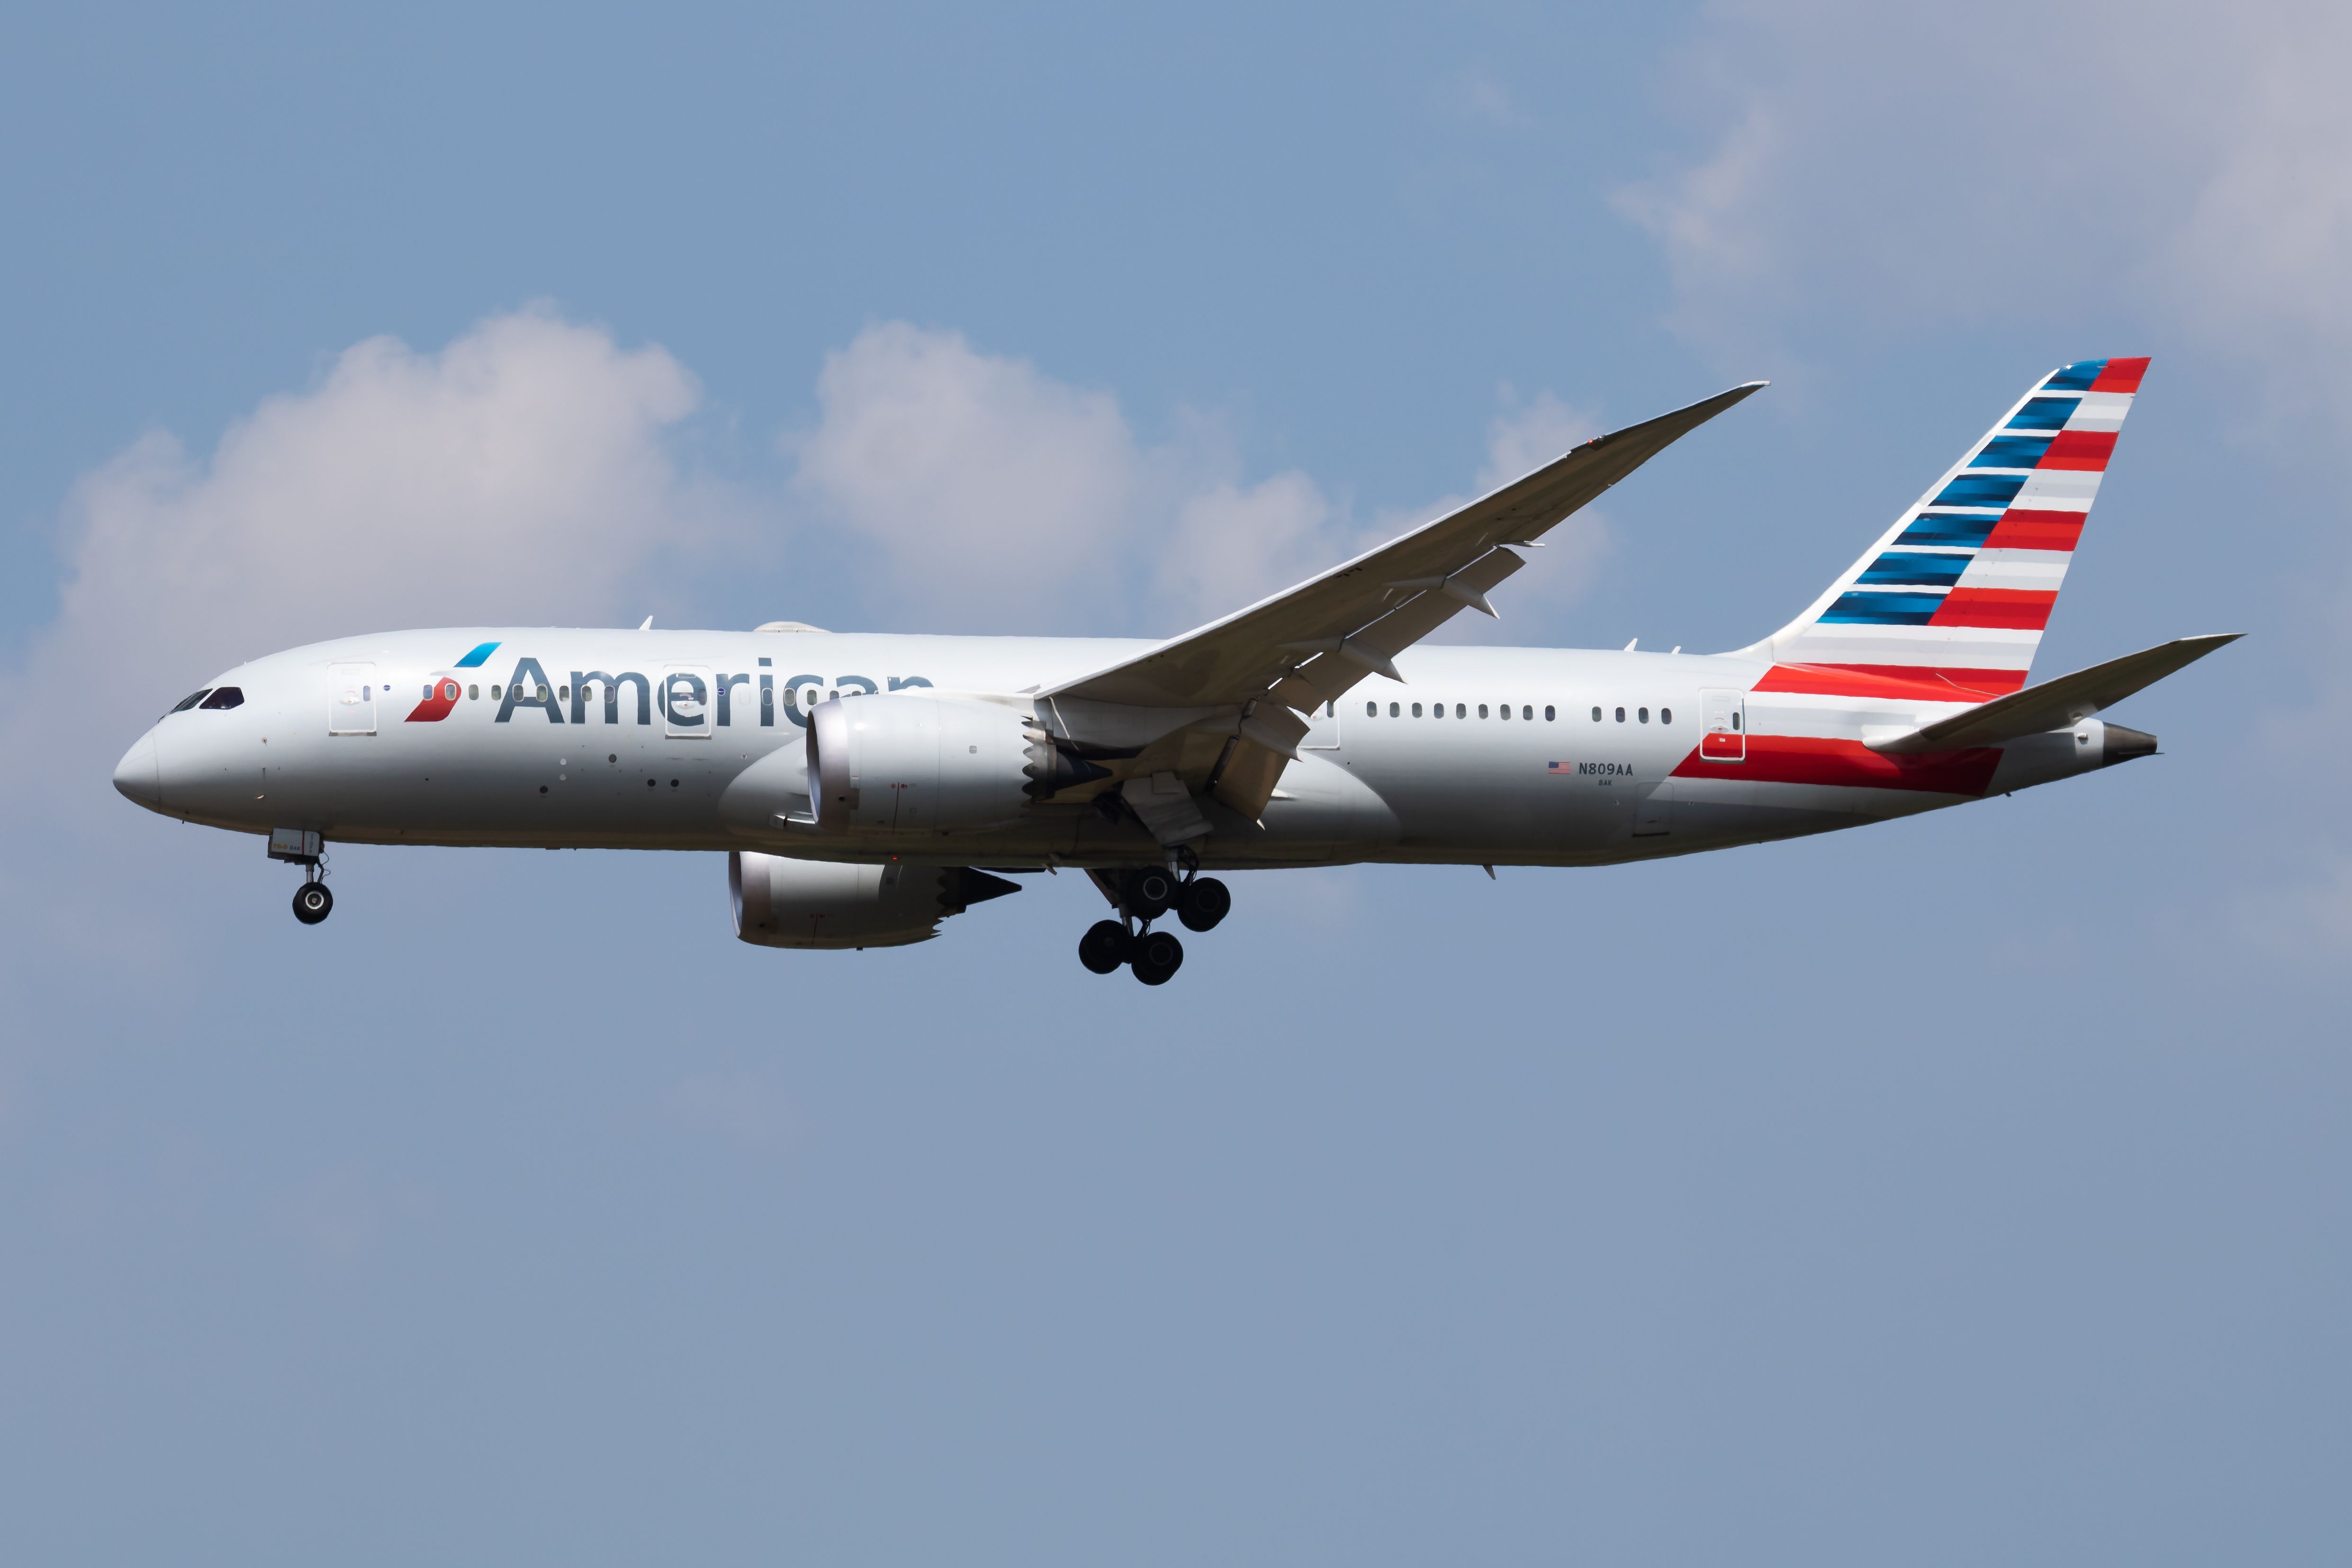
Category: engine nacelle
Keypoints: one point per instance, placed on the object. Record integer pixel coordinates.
(784, 902)
(903, 763)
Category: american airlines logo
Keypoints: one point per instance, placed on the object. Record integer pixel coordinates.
(688, 698)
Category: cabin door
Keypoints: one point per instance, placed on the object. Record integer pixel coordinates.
(351, 693)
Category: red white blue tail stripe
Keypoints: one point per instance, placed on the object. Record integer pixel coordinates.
(1954, 597)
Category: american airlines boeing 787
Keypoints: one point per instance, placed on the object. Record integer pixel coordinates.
(864, 788)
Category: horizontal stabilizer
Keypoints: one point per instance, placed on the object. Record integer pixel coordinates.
(2055, 704)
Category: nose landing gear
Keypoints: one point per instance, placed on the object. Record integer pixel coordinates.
(304, 847)
(313, 903)
(1141, 896)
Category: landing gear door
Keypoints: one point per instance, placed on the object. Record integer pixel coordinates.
(1322, 729)
(351, 691)
(1723, 717)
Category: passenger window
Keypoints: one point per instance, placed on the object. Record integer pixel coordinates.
(473, 694)
(1665, 715)
(1528, 713)
(1371, 709)
(1437, 710)
(1548, 715)
(1416, 709)
(1735, 717)
(1392, 709)
(1504, 711)
(1460, 711)
(1596, 715)
(564, 692)
(191, 700)
(226, 697)
(495, 693)
(1482, 711)
(1644, 714)
(1620, 715)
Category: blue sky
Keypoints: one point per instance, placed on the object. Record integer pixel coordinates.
(1964, 1188)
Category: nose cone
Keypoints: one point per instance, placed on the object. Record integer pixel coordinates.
(138, 777)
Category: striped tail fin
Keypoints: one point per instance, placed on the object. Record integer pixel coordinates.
(1954, 597)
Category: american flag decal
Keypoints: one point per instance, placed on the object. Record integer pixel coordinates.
(1558, 768)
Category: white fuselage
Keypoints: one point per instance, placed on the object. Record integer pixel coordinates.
(1506, 763)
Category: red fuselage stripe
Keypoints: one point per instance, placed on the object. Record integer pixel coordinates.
(1899, 682)
(1812, 760)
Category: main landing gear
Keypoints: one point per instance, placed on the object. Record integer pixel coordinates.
(1142, 897)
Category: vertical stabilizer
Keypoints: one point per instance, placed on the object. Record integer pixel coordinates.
(1956, 594)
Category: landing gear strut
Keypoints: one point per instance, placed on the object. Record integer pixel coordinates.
(304, 847)
(1141, 896)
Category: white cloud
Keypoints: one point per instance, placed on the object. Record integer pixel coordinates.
(2264, 250)
(1916, 168)
(1889, 173)
(994, 490)
(518, 474)
(1232, 546)
(1523, 436)
(1526, 435)
(1002, 498)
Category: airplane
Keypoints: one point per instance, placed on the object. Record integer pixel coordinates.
(866, 787)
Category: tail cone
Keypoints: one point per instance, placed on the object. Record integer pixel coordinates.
(2124, 744)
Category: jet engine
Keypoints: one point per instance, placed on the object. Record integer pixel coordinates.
(906, 764)
(782, 902)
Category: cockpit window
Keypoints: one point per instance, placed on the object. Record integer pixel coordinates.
(191, 699)
(226, 697)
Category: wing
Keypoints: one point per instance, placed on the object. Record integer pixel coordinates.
(1309, 646)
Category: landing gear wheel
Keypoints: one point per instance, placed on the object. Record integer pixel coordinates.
(1103, 947)
(1149, 892)
(313, 903)
(1203, 903)
(1157, 956)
